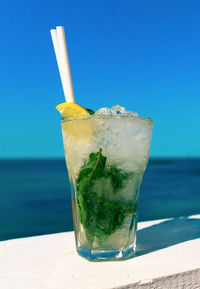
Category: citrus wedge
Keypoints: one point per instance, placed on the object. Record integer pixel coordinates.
(78, 127)
(71, 109)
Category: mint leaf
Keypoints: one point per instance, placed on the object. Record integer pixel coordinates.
(101, 215)
(94, 167)
(117, 177)
(90, 111)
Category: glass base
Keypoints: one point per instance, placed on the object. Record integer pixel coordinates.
(110, 255)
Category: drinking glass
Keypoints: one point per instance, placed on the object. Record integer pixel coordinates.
(106, 157)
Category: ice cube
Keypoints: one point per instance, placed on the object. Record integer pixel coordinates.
(117, 109)
(131, 113)
(103, 111)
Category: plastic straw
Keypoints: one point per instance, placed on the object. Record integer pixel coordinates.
(60, 47)
(58, 58)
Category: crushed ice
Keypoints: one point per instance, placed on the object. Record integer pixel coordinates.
(116, 110)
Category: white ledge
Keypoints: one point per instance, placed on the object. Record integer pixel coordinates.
(168, 256)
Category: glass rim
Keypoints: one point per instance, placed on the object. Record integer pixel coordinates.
(118, 117)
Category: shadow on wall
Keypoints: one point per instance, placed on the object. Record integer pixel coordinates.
(166, 234)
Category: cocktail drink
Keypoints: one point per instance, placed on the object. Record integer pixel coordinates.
(106, 155)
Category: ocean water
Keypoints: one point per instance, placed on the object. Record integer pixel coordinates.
(35, 197)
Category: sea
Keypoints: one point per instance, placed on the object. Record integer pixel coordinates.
(35, 197)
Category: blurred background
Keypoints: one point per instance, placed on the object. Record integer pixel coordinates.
(144, 55)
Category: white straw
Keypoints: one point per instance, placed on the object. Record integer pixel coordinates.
(60, 47)
(57, 53)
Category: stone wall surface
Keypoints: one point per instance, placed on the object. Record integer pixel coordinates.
(168, 256)
(185, 280)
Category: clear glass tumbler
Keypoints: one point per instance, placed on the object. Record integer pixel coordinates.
(106, 157)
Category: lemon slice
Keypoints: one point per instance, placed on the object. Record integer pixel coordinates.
(71, 109)
(78, 127)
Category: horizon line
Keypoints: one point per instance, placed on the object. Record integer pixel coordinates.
(63, 158)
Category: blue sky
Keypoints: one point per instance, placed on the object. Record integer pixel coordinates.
(144, 55)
